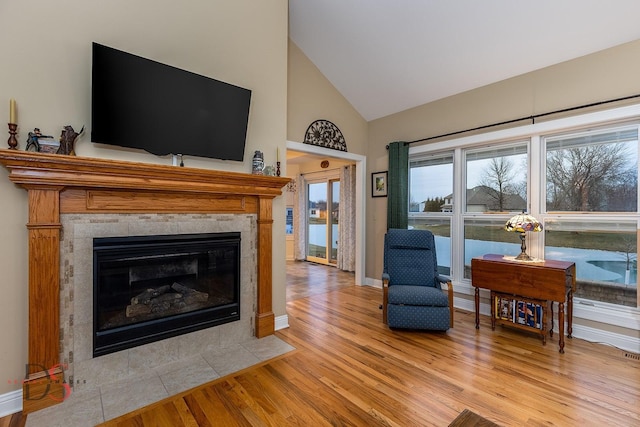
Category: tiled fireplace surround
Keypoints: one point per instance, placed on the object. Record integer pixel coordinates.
(73, 199)
(76, 295)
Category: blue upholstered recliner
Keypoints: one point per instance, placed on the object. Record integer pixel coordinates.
(412, 293)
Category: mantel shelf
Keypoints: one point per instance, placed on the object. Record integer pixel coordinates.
(41, 169)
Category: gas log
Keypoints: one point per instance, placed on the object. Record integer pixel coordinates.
(174, 298)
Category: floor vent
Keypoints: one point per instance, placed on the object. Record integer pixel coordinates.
(632, 356)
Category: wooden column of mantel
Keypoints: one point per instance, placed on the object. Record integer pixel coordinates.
(60, 184)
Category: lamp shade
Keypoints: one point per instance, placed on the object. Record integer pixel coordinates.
(522, 223)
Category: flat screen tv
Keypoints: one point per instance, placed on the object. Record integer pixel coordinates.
(140, 103)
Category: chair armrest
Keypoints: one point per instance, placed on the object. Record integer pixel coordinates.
(385, 296)
(442, 279)
(447, 281)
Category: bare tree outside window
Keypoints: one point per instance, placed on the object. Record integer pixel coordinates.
(499, 176)
(499, 183)
(600, 177)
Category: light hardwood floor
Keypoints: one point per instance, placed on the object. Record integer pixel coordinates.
(350, 369)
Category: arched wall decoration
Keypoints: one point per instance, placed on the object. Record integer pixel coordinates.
(323, 133)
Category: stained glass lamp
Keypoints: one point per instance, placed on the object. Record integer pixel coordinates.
(522, 223)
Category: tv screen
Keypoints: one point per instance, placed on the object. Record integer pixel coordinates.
(140, 103)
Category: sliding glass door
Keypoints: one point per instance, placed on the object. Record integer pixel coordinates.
(323, 221)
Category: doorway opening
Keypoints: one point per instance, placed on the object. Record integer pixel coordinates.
(298, 157)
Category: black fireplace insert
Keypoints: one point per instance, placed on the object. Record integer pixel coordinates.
(148, 288)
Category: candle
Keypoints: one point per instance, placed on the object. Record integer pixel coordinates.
(277, 154)
(12, 111)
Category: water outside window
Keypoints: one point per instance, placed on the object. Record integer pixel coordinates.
(605, 254)
(441, 229)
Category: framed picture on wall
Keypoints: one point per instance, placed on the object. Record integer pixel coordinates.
(379, 184)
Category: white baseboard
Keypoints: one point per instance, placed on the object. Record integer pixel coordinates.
(10, 403)
(376, 283)
(594, 335)
(624, 342)
(281, 322)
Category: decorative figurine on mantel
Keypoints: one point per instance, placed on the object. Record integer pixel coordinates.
(33, 143)
(67, 140)
(257, 165)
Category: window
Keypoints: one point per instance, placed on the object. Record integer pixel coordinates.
(487, 236)
(497, 179)
(441, 229)
(581, 184)
(605, 254)
(431, 201)
(594, 171)
(431, 183)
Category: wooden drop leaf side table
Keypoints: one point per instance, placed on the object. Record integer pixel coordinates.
(545, 281)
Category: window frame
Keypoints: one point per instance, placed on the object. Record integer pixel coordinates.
(534, 133)
(438, 216)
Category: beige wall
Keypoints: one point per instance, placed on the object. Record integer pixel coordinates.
(312, 97)
(46, 51)
(605, 75)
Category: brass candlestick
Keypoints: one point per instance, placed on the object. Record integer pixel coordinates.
(12, 141)
(277, 168)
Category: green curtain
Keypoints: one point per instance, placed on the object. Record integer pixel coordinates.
(398, 186)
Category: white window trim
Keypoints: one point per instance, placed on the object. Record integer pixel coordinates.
(611, 314)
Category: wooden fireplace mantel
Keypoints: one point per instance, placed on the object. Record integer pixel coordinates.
(58, 184)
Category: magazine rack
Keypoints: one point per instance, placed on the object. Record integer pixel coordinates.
(521, 312)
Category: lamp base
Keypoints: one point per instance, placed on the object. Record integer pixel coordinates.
(524, 257)
(523, 249)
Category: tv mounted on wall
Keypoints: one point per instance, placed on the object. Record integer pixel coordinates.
(140, 103)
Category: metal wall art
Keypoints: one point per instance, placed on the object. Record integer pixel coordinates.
(323, 133)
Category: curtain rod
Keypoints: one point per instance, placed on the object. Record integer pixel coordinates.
(532, 118)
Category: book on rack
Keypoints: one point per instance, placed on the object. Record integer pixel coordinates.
(504, 308)
(528, 313)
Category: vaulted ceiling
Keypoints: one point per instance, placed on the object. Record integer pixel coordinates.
(386, 56)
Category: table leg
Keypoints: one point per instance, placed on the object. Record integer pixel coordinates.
(570, 313)
(552, 324)
(477, 302)
(545, 322)
(492, 302)
(561, 326)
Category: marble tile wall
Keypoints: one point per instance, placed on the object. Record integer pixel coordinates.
(76, 295)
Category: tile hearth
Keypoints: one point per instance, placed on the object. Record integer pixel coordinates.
(90, 407)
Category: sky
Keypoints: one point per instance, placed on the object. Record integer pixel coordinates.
(437, 181)
(318, 192)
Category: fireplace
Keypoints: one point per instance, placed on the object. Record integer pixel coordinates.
(86, 189)
(148, 288)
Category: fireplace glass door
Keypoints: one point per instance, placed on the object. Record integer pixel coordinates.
(148, 288)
